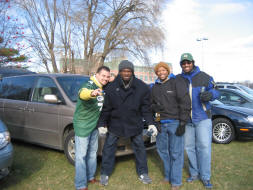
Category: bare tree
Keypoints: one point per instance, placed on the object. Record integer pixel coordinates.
(41, 17)
(98, 28)
(119, 25)
(64, 19)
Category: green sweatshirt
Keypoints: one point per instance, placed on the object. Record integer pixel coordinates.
(87, 108)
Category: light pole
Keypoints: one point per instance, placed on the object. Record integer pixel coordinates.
(202, 49)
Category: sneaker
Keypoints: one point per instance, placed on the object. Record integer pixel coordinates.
(104, 180)
(207, 184)
(192, 178)
(145, 179)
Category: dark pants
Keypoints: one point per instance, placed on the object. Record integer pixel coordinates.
(110, 147)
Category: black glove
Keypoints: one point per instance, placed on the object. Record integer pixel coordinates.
(206, 96)
(181, 128)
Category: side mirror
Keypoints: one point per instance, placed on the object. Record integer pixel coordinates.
(52, 99)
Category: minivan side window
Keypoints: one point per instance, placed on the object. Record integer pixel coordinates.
(44, 85)
(17, 88)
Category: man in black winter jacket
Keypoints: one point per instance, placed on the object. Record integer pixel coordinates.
(127, 102)
(171, 102)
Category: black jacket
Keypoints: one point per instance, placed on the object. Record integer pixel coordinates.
(173, 98)
(124, 109)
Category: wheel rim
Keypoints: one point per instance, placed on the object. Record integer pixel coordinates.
(222, 132)
(71, 148)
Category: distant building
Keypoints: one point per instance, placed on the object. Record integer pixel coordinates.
(145, 73)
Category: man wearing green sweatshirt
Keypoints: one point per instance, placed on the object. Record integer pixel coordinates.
(88, 107)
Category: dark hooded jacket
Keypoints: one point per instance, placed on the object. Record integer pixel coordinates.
(198, 81)
(172, 99)
(124, 109)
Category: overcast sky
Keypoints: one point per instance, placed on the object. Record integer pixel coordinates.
(227, 55)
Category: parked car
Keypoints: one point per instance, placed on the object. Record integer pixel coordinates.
(6, 150)
(236, 98)
(39, 109)
(230, 122)
(235, 86)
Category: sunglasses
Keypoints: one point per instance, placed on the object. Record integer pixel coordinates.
(186, 62)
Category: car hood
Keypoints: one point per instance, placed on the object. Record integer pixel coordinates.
(243, 110)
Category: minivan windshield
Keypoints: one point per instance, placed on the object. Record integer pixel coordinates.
(71, 85)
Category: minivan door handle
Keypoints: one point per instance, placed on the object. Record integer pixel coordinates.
(30, 109)
(21, 108)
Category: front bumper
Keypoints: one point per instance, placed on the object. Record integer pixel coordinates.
(242, 131)
(124, 144)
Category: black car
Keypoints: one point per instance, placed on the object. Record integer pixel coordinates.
(230, 122)
(236, 98)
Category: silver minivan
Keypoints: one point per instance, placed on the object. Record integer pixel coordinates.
(39, 108)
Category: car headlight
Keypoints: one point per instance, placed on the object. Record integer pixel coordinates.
(5, 138)
(250, 119)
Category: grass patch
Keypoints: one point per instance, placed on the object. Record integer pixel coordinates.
(38, 168)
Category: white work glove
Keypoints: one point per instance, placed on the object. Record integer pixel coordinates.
(102, 130)
(153, 130)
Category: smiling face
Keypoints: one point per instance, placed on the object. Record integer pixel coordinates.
(187, 66)
(162, 73)
(103, 77)
(126, 74)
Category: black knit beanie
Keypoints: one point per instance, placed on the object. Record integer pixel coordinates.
(125, 64)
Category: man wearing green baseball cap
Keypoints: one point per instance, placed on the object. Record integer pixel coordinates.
(198, 131)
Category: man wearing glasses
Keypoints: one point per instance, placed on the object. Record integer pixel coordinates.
(198, 131)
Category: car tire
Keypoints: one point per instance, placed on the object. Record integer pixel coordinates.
(223, 131)
(69, 146)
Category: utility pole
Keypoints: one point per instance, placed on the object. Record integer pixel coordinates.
(202, 50)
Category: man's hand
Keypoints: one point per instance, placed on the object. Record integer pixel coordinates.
(152, 129)
(181, 128)
(96, 92)
(206, 96)
(102, 130)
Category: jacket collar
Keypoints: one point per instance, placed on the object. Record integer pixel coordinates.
(94, 79)
(195, 71)
(120, 82)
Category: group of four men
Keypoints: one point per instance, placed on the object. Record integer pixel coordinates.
(179, 104)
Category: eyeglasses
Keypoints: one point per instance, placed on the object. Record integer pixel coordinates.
(186, 62)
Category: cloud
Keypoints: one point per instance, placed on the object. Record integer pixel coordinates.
(230, 60)
(226, 55)
(183, 25)
(227, 8)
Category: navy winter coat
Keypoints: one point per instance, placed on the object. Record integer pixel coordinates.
(124, 109)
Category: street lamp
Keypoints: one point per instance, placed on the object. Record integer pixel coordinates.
(202, 49)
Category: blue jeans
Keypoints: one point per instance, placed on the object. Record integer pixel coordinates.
(198, 141)
(109, 150)
(171, 150)
(86, 158)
